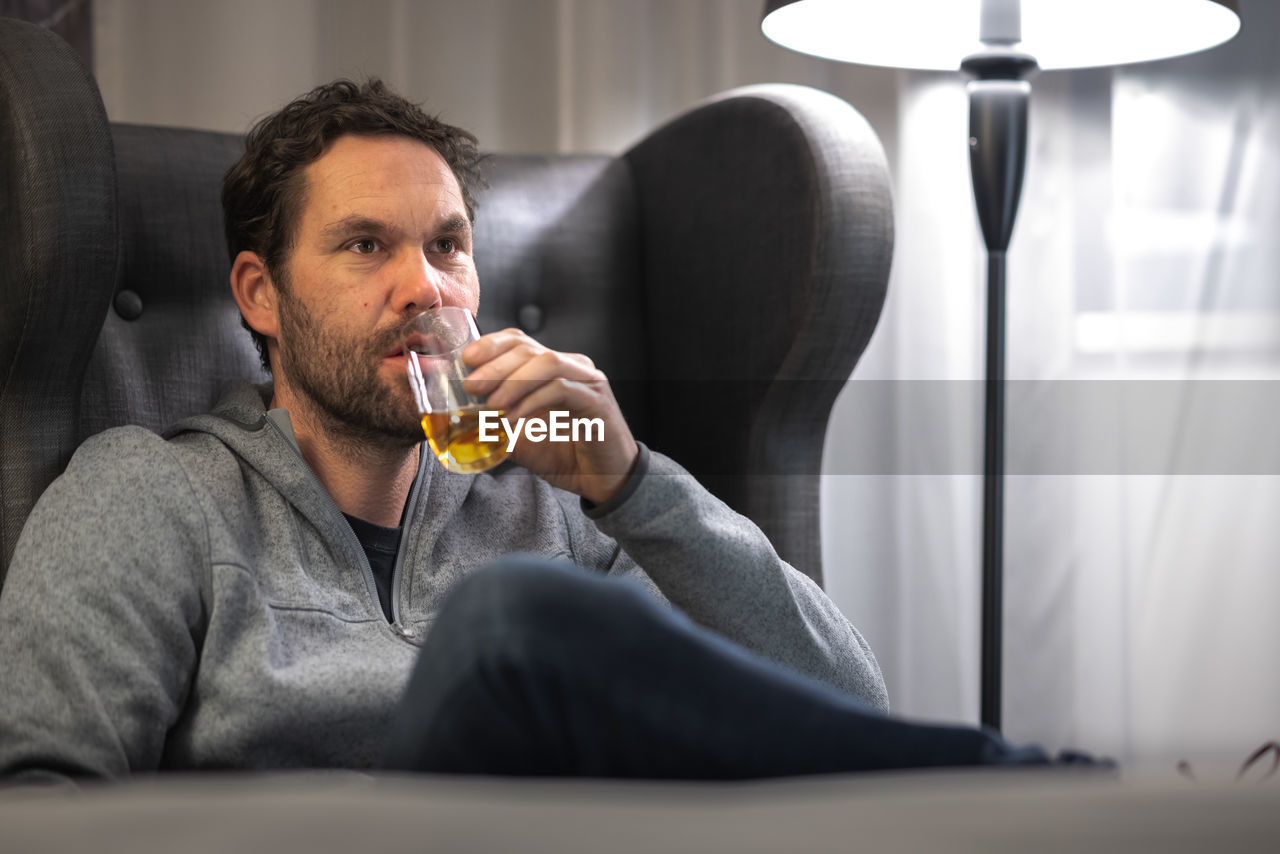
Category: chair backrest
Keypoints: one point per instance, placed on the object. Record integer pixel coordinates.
(726, 272)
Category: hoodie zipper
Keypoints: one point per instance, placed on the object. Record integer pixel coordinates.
(409, 513)
(397, 628)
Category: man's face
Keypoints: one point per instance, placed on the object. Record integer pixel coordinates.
(382, 235)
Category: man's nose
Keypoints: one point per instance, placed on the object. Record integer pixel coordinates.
(419, 285)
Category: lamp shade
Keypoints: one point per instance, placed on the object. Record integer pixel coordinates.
(938, 34)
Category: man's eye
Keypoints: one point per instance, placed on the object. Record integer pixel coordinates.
(446, 245)
(365, 246)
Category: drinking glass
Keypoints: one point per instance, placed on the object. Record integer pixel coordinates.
(433, 343)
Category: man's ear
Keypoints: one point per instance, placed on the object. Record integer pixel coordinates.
(255, 293)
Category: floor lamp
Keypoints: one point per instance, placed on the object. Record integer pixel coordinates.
(999, 44)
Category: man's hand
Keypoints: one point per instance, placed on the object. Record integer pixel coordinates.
(526, 379)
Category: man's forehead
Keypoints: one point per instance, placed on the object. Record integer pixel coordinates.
(357, 169)
(381, 159)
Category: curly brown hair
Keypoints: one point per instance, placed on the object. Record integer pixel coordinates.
(263, 193)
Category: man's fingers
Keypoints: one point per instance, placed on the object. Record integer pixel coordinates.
(555, 394)
(489, 347)
(573, 383)
(519, 370)
(582, 359)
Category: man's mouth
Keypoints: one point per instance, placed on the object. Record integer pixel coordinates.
(394, 350)
(393, 345)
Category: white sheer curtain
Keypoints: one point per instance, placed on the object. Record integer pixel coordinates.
(1142, 568)
(1139, 598)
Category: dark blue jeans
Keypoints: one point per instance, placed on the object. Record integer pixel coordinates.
(537, 668)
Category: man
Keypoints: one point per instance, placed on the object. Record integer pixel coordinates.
(290, 581)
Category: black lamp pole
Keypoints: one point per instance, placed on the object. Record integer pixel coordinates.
(998, 99)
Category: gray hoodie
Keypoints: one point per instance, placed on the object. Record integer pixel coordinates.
(198, 601)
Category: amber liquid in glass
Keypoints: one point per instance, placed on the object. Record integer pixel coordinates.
(455, 440)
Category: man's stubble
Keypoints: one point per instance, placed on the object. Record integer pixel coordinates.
(340, 379)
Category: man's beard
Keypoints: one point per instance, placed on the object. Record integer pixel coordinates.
(340, 379)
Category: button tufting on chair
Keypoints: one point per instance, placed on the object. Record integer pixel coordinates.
(530, 318)
(128, 305)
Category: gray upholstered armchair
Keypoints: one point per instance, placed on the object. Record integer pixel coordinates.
(762, 215)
